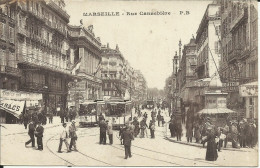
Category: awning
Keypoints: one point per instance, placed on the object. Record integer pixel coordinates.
(216, 111)
(12, 106)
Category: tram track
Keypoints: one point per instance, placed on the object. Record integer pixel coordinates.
(79, 152)
(176, 164)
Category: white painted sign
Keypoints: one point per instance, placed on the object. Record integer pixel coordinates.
(15, 107)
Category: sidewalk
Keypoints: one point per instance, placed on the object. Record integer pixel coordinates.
(10, 129)
(184, 142)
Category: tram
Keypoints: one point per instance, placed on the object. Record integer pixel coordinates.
(88, 115)
(119, 112)
(150, 104)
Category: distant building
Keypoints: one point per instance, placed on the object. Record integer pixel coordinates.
(187, 73)
(114, 83)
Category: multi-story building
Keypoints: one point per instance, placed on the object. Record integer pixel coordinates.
(43, 50)
(239, 55)
(9, 72)
(187, 71)
(140, 86)
(114, 83)
(86, 51)
(208, 50)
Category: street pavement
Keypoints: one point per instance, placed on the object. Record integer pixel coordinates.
(160, 151)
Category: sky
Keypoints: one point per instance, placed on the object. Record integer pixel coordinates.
(147, 42)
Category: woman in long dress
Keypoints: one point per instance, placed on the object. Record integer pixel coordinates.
(211, 154)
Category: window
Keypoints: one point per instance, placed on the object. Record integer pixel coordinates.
(253, 69)
(11, 34)
(2, 30)
(216, 47)
(3, 57)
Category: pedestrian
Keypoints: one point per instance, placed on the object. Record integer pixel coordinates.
(179, 131)
(242, 134)
(103, 129)
(71, 114)
(31, 129)
(189, 132)
(44, 119)
(62, 117)
(25, 120)
(127, 137)
(211, 154)
(137, 127)
(197, 133)
(35, 119)
(222, 138)
(171, 128)
(159, 118)
(234, 135)
(39, 134)
(250, 135)
(121, 130)
(63, 138)
(152, 128)
(163, 121)
(50, 118)
(110, 132)
(144, 127)
(40, 117)
(225, 130)
(73, 136)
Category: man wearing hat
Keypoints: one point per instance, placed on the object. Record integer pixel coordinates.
(39, 134)
(63, 138)
(127, 137)
(73, 135)
(103, 129)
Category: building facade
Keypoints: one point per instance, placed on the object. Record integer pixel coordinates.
(239, 59)
(86, 51)
(42, 51)
(208, 51)
(187, 73)
(9, 71)
(114, 83)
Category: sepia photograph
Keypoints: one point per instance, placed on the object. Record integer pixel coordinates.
(155, 83)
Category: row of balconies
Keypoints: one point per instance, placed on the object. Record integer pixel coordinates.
(10, 70)
(43, 41)
(90, 39)
(44, 64)
(239, 18)
(41, 17)
(238, 53)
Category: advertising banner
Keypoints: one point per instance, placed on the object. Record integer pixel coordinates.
(12, 106)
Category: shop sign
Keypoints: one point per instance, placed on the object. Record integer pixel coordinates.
(248, 90)
(18, 95)
(16, 107)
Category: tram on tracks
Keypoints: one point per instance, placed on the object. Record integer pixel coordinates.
(150, 104)
(119, 112)
(88, 114)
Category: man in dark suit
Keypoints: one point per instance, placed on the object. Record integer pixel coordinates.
(39, 134)
(103, 129)
(127, 138)
(31, 134)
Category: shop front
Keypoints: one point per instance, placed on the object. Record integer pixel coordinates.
(13, 104)
(250, 92)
